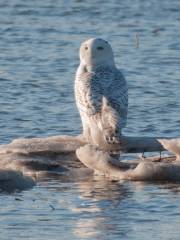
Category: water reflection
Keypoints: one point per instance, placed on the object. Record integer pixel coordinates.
(96, 207)
(101, 198)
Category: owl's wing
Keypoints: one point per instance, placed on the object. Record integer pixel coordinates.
(88, 93)
(118, 97)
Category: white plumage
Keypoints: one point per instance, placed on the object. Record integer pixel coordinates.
(101, 93)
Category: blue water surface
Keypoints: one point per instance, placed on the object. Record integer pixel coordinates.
(39, 43)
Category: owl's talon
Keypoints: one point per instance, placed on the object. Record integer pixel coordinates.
(108, 139)
(112, 140)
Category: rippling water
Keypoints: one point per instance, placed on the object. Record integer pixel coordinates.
(39, 43)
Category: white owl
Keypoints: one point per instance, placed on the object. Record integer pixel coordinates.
(101, 93)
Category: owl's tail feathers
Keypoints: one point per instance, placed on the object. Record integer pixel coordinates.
(110, 124)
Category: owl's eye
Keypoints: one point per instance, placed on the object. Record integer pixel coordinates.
(86, 48)
(100, 48)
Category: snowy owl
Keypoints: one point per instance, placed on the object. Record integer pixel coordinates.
(101, 93)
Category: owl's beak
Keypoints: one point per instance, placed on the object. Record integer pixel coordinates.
(91, 53)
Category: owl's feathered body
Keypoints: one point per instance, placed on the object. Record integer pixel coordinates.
(101, 97)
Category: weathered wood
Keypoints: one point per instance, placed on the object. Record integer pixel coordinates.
(68, 144)
(41, 154)
(144, 170)
(141, 144)
(172, 145)
(11, 180)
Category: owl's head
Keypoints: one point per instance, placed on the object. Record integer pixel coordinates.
(96, 51)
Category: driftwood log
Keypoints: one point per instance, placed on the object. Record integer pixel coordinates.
(148, 169)
(68, 144)
(24, 157)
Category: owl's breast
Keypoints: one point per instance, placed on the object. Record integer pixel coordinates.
(105, 77)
